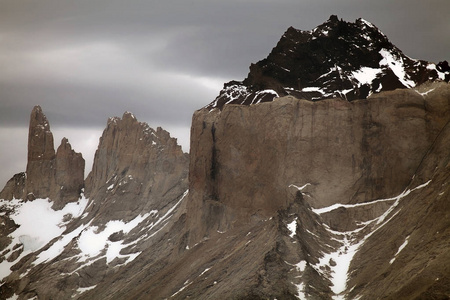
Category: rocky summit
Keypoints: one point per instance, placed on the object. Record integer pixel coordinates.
(337, 59)
(58, 175)
(323, 175)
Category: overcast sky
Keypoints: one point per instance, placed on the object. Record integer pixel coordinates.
(86, 60)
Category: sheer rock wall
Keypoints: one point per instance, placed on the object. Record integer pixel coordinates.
(244, 158)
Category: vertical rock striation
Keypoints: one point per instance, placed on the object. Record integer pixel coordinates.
(58, 176)
(15, 187)
(69, 175)
(41, 157)
(243, 158)
(135, 168)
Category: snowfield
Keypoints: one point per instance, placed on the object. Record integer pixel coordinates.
(39, 224)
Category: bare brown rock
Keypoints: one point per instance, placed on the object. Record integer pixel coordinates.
(136, 168)
(69, 175)
(14, 188)
(41, 156)
(419, 269)
(288, 199)
(58, 176)
(245, 157)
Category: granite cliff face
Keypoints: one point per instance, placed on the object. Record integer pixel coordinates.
(41, 156)
(59, 176)
(136, 168)
(138, 180)
(245, 158)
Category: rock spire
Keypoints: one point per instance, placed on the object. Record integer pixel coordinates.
(56, 175)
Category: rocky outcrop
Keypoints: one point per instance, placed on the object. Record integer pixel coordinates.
(69, 175)
(41, 157)
(58, 176)
(14, 188)
(408, 258)
(244, 158)
(136, 191)
(337, 59)
(135, 168)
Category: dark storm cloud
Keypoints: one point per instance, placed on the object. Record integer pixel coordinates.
(86, 60)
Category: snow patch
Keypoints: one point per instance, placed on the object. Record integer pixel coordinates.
(424, 93)
(91, 242)
(206, 270)
(85, 289)
(301, 291)
(58, 247)
(186, 284)
(301, 187)
(432, 66)
(292, 227)
(366, 75)
(312, 89)
(402, 246)
(339, 260)
(39, 224)
(397, 66)
(301, 265)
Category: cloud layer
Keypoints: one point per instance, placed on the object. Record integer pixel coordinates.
(84, 61)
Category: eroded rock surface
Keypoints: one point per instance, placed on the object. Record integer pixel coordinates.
(137, 191)
(56, 175)
(41, 156)
(136, 168)
(245, 157)
(337, 59)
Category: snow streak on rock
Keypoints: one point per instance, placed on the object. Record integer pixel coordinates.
(339, 260)
(337, 59)
(35, 232)
(402, 246)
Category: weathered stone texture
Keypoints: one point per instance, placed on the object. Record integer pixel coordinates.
(135, 168)
(243, 158)
(41, 156)
(15, 187)
(58, 176)
(69, 175)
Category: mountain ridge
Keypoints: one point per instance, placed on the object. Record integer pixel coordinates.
(287, 197)
(337, 59)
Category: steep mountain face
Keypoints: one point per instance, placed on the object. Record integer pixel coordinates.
(135, 169)
(41, 156)
(337, 59)
(357, 165)
(245, 158)
(59, 176)
(362, 160)
(283, 196)
(408, 258)
(138, 180)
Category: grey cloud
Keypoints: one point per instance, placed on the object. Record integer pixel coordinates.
(84, 61)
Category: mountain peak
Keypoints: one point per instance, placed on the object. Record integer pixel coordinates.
(337, 59)
(125, 146)
(56, 175)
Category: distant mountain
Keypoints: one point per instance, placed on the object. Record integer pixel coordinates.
(58, 175)
(337, 59)
(328, 180)
(59, 250)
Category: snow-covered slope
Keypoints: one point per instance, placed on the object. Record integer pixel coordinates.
(63, 252)
(336, 59)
